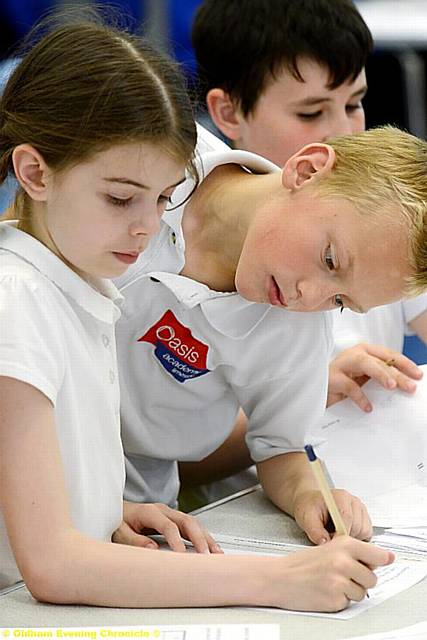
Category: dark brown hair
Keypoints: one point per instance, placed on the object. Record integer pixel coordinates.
(240, 45)
(85, 86)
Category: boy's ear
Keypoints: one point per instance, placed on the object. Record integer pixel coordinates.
(224, 113)
(31, 171)
(310, 163)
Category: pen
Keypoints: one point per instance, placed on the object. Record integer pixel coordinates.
(325, 490)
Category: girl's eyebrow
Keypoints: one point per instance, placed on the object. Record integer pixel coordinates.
(140, 184)
(127, 181)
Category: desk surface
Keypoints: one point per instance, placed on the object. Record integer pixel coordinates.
(250, 515)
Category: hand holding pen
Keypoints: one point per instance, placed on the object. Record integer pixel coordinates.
(319, 473)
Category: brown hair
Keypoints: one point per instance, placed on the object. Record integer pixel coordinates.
(377, 171)
(85, 86)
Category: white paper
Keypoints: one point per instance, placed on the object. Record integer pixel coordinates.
(403, 507)
(384, 451)
(410, 532)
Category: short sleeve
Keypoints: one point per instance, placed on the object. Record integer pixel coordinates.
(31, 344)
(284, 409)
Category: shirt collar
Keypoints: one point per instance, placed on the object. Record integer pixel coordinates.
(206, 163)
(98, 298)
(227, 312)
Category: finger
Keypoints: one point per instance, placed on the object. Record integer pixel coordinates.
(363, 577)
(348, 387)
(161, 520)
(312, 520)
(399, 361)
(193, 531)
(364, 524)
(355, 393)
(171, 534)
(372, 556)
(197, 535)
(354, 514)
(126, 535)
(354, 591)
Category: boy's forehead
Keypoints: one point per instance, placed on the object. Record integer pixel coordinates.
(314, 76)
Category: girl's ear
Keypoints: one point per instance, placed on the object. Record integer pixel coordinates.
(312, 162)
(31, 171)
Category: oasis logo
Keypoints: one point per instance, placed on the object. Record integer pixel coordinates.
(176, 349)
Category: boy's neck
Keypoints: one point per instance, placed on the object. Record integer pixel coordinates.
(216, 222)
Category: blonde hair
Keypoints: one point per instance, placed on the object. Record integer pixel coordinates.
(378, 170)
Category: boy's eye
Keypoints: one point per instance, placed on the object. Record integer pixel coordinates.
(328, 259)
(353, 107)
(119, 202)
(309, 116)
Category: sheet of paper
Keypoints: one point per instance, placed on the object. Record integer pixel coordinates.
(414, 632)
(402, 507)
(257, 545)
(410, 532)
(380, 452)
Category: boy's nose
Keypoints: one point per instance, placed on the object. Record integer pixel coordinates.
(315, 295)
(341, 126)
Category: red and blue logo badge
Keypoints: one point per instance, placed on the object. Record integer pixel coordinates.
(176, 349)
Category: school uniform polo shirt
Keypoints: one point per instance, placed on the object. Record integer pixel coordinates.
(57, 334)
(189, 357)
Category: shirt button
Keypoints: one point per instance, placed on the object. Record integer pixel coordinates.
(173, 237)
(112, 376)
(105, 340)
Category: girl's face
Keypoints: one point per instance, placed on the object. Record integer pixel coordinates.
(100, 214)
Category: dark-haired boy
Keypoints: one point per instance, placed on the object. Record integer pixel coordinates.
(278, 74)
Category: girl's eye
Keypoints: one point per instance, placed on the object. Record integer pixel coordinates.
(339, 302)
(329, 261)
(119, 202)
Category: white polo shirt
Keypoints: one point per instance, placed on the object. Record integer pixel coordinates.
(57, 334)
(386, 325)
(189, 357)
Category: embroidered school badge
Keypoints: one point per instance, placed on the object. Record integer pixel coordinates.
(176, 349)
